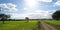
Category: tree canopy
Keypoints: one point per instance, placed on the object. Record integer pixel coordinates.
(4, 17)
(26, 18)
(56, 15)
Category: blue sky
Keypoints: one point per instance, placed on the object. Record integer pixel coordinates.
(36, 9)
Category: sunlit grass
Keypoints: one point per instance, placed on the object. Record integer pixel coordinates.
(18, 25)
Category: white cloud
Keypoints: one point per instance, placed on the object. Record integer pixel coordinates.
(8, 7)
(57, 3)
(30, 3)
(26, 9)
(40, 14)
(33, 4)
(37, 14)
(45, 0)
(18, 16)
(29, 9)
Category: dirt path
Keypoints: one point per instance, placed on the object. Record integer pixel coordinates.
(47, 27)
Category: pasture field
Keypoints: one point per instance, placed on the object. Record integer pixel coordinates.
(18, 25)
(54, 23)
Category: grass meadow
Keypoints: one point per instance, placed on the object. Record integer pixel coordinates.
(18, 25)
(22, 25)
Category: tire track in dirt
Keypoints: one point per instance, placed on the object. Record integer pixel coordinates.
(47, 27)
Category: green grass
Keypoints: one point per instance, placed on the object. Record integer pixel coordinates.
(54, 23)
(18, 25)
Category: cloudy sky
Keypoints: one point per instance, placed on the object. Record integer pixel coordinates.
(34, 9)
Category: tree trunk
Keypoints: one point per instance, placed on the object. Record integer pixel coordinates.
(3, 21)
